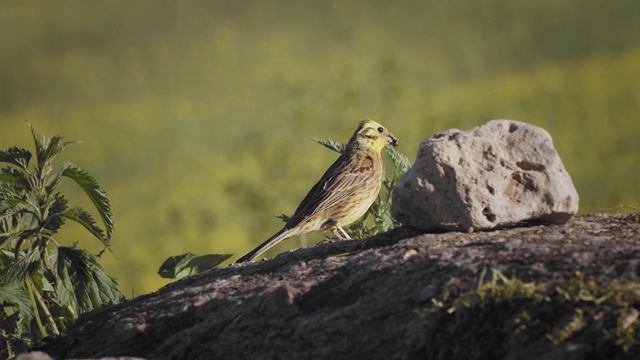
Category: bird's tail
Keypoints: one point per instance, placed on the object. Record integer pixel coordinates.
(276, 238)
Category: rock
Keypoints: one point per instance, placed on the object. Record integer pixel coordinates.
(35, 355)
(374, 299)
(498, 174)
(39, 355)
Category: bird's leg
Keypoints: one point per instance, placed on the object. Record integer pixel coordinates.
(342, 232)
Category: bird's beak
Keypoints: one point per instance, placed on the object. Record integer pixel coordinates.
(392, 139)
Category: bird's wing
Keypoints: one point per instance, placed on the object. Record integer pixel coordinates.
(341, 180)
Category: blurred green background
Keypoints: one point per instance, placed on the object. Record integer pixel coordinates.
(197, 116)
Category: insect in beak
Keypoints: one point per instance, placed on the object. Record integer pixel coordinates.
(392, 139)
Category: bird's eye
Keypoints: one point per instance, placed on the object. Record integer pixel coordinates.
(380, 129)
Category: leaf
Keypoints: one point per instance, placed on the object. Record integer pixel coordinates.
(13, 206)
(283, 217)
(6, 258)
(47, 149)
(54, 208)
(16, 156)
(12, 175)
(82, 283)
(39, 142)
(401, 163)
(180, 266)
(21, 269)
(56, 146)
(16, 295)
(95, 192)
(64, 285)
(332, 145)
(107, 287)
(84, 218)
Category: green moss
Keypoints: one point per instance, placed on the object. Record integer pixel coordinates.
(511, 316)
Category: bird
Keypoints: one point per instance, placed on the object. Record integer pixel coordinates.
(344, 193)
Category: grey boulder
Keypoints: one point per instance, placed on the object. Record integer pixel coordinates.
(498, 174)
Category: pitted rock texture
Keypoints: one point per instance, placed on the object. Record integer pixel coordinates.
(498, 174)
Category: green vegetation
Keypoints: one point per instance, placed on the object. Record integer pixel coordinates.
(509, 312)
(180, 266)
(198, 115)
(45, 286)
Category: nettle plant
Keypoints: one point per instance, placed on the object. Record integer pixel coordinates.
(45, 286)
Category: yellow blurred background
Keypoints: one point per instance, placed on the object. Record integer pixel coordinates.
(197, 116)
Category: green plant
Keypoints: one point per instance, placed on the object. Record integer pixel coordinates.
(44, 286)
(509, 313)
(380, 211)
(180, 266)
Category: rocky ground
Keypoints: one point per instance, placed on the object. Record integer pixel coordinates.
(392, 296)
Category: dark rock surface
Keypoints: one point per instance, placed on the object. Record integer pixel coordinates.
(345, 300)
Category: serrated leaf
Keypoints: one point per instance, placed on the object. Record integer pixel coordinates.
(82, 283)
(283, 217)
(46, 285)
(12, 175)
(54, 220)
(47, 149)
(95, 192)
(180, 266)
(168, 268)
(107, 287)
(16, 295)
(17, 224)
(64, 285)
(332, 145)
(56, 146)
(16, 156)
(401, 163)
(18, 272)
(12, 203)
(84, 218)
(6, 258)
(39, 142)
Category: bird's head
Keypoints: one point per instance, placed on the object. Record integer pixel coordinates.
(372, 135)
